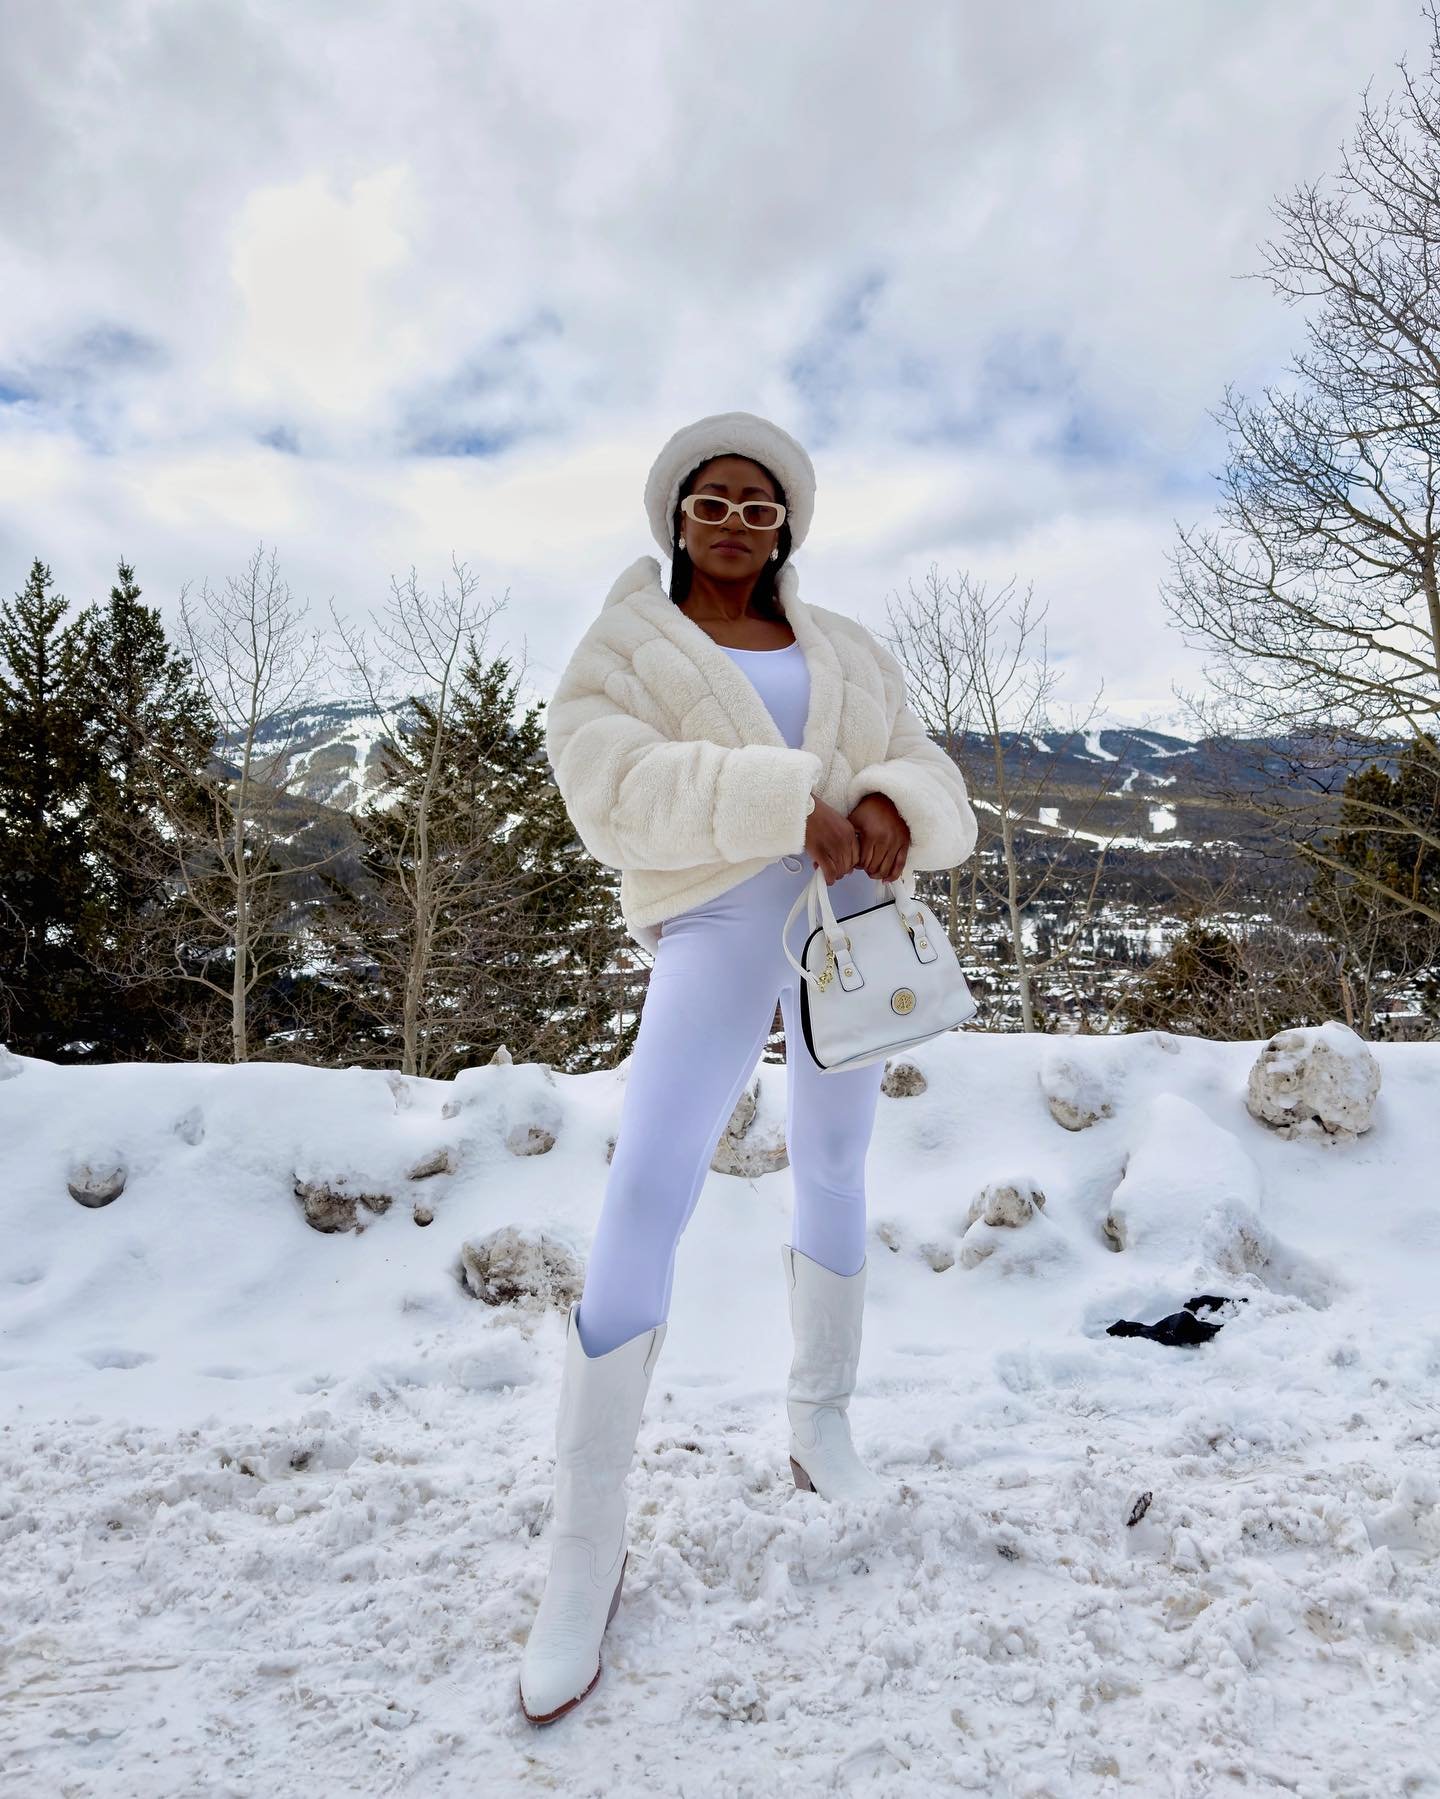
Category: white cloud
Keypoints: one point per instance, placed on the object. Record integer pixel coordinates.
(324, 318)
(267, 265)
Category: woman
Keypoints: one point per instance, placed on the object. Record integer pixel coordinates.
(716, 744)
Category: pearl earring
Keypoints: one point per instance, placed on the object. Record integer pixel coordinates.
(682, 540)
(775, 554)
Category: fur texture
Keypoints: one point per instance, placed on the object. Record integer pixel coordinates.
(730, 434)
(674, 772)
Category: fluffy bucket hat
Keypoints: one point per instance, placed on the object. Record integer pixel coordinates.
(730, 434)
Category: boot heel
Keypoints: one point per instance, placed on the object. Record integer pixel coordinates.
(615, 1602)
(802, 1479)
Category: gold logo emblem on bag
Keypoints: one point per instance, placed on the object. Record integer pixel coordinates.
(903, 999)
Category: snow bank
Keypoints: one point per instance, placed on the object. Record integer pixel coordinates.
(273, 1497)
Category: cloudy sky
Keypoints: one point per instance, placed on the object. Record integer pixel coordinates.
(395, 286)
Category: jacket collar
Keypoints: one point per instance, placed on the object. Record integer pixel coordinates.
(639, 589)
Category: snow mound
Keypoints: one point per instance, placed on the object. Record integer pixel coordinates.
(274, 1501)
(1315, 1081)
(993, 1224)
(1079, 1090)
(1190, 1204)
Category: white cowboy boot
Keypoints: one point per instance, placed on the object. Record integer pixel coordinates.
(601, 1402)
(825, 1316)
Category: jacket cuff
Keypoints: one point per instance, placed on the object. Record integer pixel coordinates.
(942, 829)
(762, 802)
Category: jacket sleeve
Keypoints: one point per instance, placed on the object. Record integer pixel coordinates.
(925, 786)
(640, 799)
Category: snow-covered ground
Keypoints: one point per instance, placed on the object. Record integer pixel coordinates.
(273, 1501)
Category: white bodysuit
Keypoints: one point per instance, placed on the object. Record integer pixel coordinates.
(708, 1009)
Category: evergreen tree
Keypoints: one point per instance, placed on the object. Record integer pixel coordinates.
(47, 882)
(1387, 844)
(477, 908)
(1215, 982)
(151, 737)
(558, 980)
(1194, 988)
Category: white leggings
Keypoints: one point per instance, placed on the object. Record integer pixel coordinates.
(706, 1018)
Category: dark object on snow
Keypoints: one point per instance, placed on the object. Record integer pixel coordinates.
(1180, 1330)
(1212, 1302)
(1140, 1507)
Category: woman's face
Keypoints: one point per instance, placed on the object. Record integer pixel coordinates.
(738, 479)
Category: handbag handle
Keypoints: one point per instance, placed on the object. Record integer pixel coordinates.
(817, 891)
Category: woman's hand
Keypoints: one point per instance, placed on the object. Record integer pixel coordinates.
(831, 841)
(884, 836)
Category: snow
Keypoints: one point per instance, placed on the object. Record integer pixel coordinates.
(1158, 750)
(1162, 818)
(273, 1500)
(1099, 837)
(1132, 843)
(1092, 744)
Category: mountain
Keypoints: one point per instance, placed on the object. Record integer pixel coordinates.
(1130, 788)
(1147, 791)
(330, 751)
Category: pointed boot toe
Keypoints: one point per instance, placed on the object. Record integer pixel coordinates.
(561, 1663)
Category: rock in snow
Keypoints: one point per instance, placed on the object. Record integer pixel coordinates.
(96, 1183)
(995, 1214)
(328, 1207)
(902, 1079)
(746, 1148)
(1077, 1092)
(529, 1269)
(1315, 1081)
(1012, 1203)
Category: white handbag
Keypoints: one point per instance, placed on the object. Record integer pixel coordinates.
(875, 981)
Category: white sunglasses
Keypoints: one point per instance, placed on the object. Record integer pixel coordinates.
(715, 509)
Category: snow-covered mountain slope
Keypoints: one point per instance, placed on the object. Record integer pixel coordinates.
(273, 1498)
(329, 753)
(1123, 787)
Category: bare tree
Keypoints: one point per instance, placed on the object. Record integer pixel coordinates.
(977, 667)
(436, 891)
(255, 661)
(1317, 595)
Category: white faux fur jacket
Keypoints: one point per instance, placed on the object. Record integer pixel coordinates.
(674, 772)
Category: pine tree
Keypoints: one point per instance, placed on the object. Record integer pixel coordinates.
(477, 908)
(555, 981)
(1195, 988)
(151, 737)
(52, 906)
(1383, 858)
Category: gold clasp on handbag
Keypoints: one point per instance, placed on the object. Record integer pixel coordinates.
(914, 923)
(848, 974)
